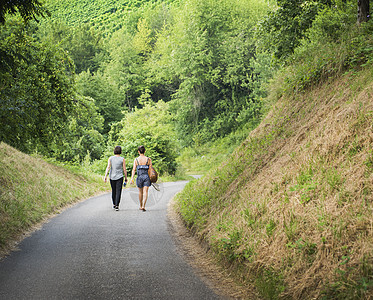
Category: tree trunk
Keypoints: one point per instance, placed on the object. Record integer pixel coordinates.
(363, 11)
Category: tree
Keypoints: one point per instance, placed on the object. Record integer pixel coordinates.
(141, 40)
(153, 127)
(126, 68)
(363, 11)
(29, 9)
(84, 44)
(81, 133)
(284, 28)
(36, 91)
(86, 49)
(208, 50)
(107, 97)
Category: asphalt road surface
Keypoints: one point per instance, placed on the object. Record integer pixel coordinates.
(91, 251)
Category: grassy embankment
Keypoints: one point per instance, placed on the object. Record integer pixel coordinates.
(290, 211)
(32, 189)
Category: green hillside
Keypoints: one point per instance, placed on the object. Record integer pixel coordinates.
(32, 189)
(290, 211)
(284, 85)
(106, 16)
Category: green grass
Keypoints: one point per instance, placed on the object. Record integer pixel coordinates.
(295, 198)
(200, 159)
(32, 189)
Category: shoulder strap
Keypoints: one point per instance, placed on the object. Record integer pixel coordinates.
(147, 162)
(137, 162)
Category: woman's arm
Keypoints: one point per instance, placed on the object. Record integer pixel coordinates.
(124, 170)
(133, 171)
(150, 166)
(107, 169)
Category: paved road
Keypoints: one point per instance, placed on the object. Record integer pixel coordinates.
(91, 251)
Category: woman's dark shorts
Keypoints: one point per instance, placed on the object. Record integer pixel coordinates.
(143, 180)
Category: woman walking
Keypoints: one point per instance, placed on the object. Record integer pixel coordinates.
(117, 166)
(142, 164)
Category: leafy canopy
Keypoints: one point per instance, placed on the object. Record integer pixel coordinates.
(151, 126)
(28, 9)
(36, 91)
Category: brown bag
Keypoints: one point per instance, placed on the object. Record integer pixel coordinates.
(153, 175)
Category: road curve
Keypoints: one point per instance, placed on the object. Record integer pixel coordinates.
(91, 251)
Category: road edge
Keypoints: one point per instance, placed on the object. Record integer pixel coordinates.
(203, 264)
(12, 244)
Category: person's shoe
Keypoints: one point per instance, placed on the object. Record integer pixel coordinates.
(116, 208)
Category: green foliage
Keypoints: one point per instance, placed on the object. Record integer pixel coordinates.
(152, 127)
(347, 284)
(194, 205)
(201, 55)
(334, 45)
(270, 227)
(304, 246)
(106, 16)
(141, 40)
(228, 247)
(107, 96)
(36, 90)
(282, 31)
(40, 110)
(83, 44)
(305, 185)
(334, 179)
(331, 23)
(125, 70)
(202, 157)
(28, 9)
(270, 284)
(211, 47)
(86, 49)
(81, 139)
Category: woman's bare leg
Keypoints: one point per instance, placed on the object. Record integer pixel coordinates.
(145, 196)
(141, 192)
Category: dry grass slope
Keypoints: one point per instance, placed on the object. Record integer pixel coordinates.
(32, 189)
(291, 211)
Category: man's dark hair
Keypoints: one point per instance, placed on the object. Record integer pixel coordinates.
(141, 149)
(118, 150)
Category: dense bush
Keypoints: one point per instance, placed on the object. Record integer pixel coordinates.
(151, 126)
(332, 46)
(81, 138)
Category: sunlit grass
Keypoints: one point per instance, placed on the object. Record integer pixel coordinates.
(32, 189)
(289, 211)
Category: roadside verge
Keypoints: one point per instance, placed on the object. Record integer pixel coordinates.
(204, 265)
